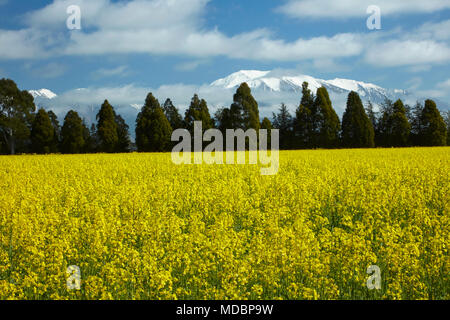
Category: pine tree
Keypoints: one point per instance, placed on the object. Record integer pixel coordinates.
(304, 120)
(173, 115)
(283, 121)
(416, 126)
(153, 130)
(198, 111)
(90, 145)
(447, 122)
(42, 133)
(400, 128)
(123, 135)
(328, 124)
(267, 125)
(246, 106)
(107, 128)
(373, 117)
(433, 129)
(72, 132)
(357, 130)
(16, 115)
(56, 131)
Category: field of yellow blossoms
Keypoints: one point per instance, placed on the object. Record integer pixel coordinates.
(140, 227)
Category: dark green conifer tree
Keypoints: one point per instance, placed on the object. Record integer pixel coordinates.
(153, 130)
(267, 125)
(357, 130)
(173, 115)
(245, 105)
(328, 124)
(107, 128)
(304, 120)
(123, 135)
(198, 111)
(283, 121)
(72, 134)
(433, 131)
(42, 133)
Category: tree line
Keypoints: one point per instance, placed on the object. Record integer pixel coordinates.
(314, 125)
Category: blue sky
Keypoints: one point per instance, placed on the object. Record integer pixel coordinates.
(154, 43)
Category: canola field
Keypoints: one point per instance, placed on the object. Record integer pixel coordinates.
(139, 227)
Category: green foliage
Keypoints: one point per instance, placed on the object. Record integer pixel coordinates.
(107, 128)
(198, 111)
(42, 133)
(328, 124)
(304, 120)
(246, 106)
(123, 135)
(357, 130)
(56, 131)
(394, 127)
(433, 130)
(73, 134)
(267, 125)
(283, 121)
(173, 115)
(447, 122)
(16, 114)
(153, 130)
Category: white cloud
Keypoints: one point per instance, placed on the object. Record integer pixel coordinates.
(158, 27)
(408, 53)
(341, 9)
(119, 71)
(175, 27)
(444, 85)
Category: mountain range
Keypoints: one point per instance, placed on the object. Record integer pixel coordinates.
(270, 89)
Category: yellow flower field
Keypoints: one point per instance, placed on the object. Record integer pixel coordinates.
(140, 227)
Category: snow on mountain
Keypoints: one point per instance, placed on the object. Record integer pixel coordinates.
(265, 81)
(239, 77)
(43, 93)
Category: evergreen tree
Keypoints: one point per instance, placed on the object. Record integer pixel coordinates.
(107, 128)
(304, 119)
(123, 135)
(198, 111)
(56, 131)
(373, 117)
(90, 145)
(228, 118)
(16, 115)
(415, 120)
(173, 115)
(283, 121)
(153, 130)
(357, 130)
(328, 124)
(42, 133)
(447, 122)
(246, 106)
(399, 126)
(267, 125)
(72, 134)
(433, 129)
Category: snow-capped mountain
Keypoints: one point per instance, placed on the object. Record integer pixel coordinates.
(267, 81)
(270, 89)
(43, 93)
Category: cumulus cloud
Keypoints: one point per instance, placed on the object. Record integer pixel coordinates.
(408, 52)
(176, 27)
(357, 8)
(158, 27)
